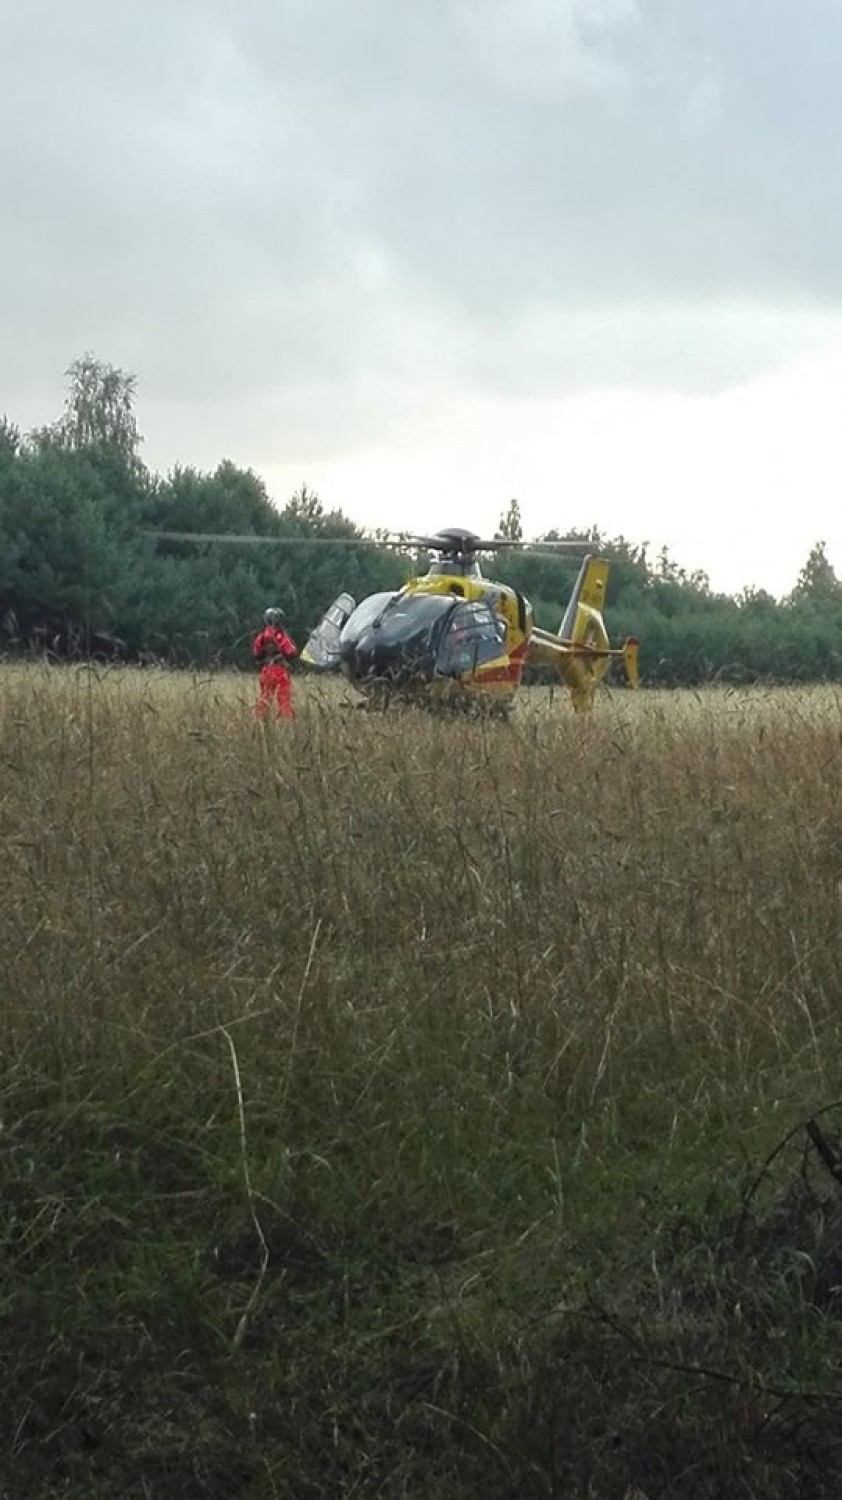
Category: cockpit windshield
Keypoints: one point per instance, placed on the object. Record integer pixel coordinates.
(412, 616)
(364, 615)
(396, 619)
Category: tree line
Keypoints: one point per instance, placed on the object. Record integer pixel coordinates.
(82, 571)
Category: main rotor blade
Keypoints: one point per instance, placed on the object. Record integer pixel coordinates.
(251, 539)
(577, 543)
(466, 546)
(448, 546)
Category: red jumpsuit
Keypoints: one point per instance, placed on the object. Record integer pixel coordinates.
(269, 648)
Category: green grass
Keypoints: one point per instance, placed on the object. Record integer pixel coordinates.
(382, 1094)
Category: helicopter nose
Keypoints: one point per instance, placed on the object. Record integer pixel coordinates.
(372, 659)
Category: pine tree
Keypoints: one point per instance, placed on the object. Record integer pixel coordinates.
(510, 525)
(817, 580)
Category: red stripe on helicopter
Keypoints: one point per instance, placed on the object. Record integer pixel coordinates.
(510, 673)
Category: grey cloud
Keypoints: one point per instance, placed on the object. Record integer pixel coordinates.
(273, 202)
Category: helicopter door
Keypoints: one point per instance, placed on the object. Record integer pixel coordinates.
(322, 647)
(474, 636)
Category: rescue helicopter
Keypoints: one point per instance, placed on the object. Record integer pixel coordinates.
(452, 636)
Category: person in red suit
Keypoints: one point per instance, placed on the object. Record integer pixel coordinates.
(272, 648)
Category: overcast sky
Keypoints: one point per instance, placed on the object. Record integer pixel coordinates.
(429, 256)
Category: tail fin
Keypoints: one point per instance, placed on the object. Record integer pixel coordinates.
(588, 590)
(583, 626)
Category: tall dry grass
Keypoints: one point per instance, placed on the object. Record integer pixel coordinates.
(380, 1092)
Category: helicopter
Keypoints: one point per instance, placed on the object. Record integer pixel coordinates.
(452, 636)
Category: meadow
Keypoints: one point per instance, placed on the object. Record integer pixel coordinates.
(409, 1107)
